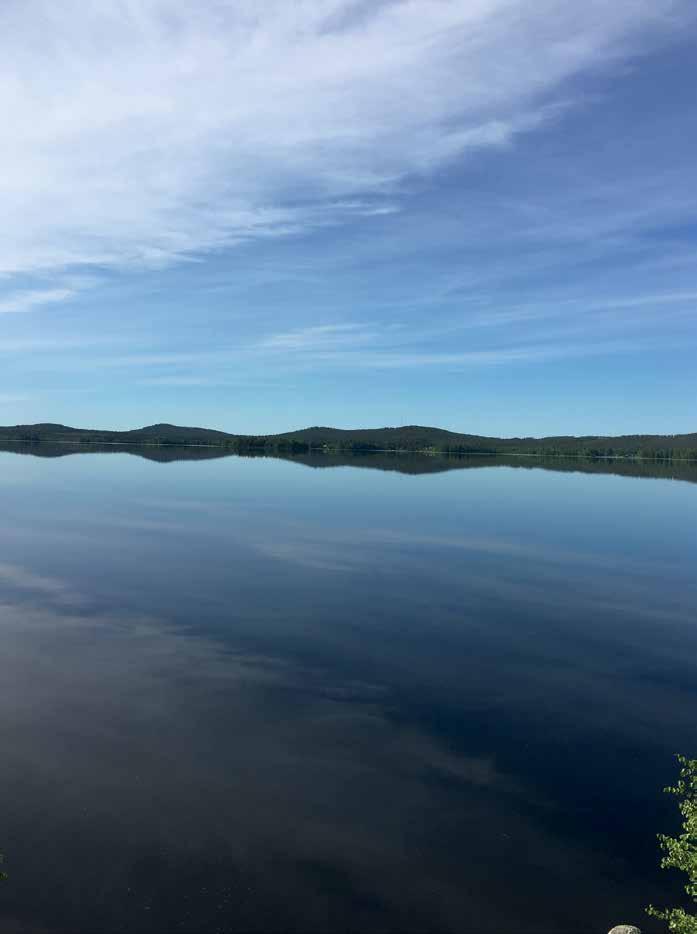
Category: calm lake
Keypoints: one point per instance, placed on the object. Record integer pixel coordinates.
(325, 694)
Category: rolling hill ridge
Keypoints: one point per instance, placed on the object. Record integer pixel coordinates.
(407, 438)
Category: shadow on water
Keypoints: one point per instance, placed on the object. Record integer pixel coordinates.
(413, 464)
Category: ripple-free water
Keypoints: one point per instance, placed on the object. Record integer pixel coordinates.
(242, 694)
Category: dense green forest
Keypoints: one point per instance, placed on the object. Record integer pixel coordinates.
(410, 438)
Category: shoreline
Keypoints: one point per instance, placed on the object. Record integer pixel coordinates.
(424, 452)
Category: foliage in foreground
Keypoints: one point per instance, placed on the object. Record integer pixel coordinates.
(681, 851)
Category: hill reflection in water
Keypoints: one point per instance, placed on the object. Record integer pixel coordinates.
(413, 464)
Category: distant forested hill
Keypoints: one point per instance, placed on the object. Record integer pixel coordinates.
(417, 438)
(337, 440)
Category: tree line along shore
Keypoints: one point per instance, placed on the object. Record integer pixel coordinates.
(407, 439)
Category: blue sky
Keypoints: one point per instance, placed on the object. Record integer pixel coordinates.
(478, 214)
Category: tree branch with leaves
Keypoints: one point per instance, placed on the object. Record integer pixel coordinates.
(681, 851)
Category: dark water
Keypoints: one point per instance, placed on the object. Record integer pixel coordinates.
(240, 694)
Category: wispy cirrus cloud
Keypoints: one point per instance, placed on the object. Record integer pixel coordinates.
(50, 345)
(374, 350)
(144, 133)
(465, 359)
(30, 300)
(321, 337)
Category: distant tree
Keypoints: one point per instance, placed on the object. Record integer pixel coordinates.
(681, 851)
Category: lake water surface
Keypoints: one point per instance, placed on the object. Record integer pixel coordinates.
(380, 694)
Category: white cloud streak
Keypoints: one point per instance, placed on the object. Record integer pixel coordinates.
(28, 301)
(321, 337)
(143, 132)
